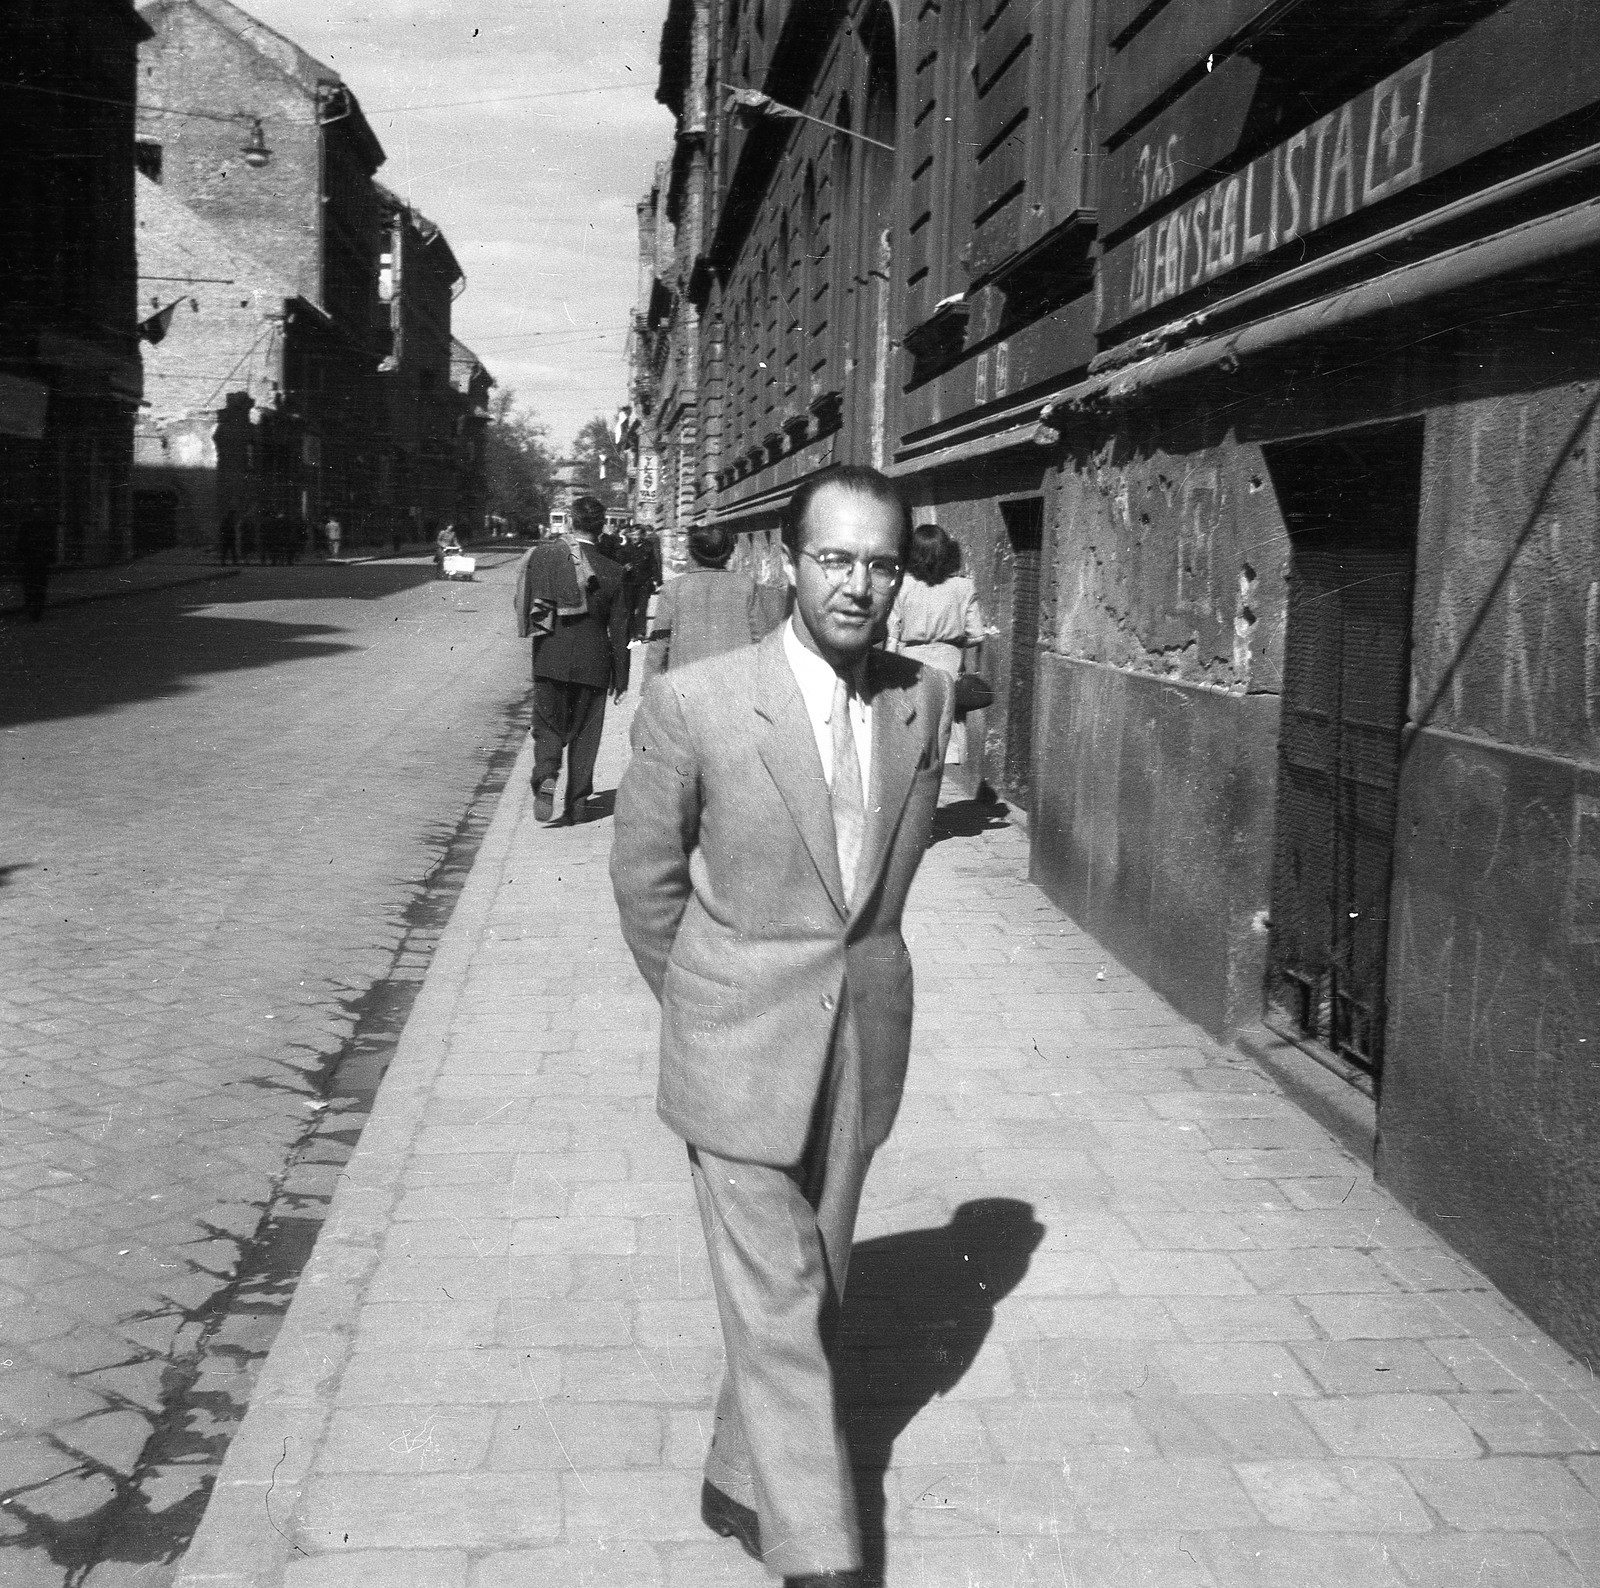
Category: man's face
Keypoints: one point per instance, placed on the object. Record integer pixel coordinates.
(841, 616)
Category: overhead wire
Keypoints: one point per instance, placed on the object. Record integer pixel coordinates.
(296, 121)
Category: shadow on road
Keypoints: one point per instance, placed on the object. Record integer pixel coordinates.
(98, 657)
(918, 1307)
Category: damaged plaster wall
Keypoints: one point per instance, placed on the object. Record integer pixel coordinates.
(1159, 699)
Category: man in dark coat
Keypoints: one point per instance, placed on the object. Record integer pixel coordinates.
(640, 557)
(573, 603)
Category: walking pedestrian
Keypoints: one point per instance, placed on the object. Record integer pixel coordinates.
(36, 551)
(228, 538)
(640, 557)
(936, 618)
(768, 827)
(710, 609)
(333, 534)
(445, 545)
(571, 601)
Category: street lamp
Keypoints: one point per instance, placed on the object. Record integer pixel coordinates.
(256, 152)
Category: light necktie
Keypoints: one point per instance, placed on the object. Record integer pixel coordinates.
(849, 808)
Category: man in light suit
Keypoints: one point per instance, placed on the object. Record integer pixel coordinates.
(767, 830)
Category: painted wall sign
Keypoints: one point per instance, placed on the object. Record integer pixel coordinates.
(1518, 70)
(1367, 150)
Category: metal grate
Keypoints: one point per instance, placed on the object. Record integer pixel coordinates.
(1351, 511)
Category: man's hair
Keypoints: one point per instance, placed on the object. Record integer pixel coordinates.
(588, 514)
(854, 477)
(711, 545)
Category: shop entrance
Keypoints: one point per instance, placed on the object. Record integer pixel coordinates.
(1350, 503)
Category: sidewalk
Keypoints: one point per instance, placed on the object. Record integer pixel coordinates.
(1119, 1313)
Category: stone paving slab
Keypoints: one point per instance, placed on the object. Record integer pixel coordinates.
(1119, 1314)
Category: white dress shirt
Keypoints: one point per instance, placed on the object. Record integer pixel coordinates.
(816, 680)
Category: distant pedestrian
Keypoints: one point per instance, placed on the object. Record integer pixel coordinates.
(36, 551)
(640, 556)
(445, 545)
(709, 610)
(228, 538)
(573, 604)
(936, 618)
(333, 534)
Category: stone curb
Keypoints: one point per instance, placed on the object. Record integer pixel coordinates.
(242, 1540)
(118, 595)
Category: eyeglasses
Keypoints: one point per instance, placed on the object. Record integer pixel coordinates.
(838, 566)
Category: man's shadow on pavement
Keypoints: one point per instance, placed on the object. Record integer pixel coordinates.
(917, 1309)
(969, 818)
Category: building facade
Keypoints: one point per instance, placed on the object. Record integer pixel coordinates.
(470, 385)
(1247, 350)
(418, 280)
(315, 376)
(70, 379)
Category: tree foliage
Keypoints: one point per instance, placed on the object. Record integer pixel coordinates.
(601, 465)
(518, 467)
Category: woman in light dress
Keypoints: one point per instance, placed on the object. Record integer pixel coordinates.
(936, 617)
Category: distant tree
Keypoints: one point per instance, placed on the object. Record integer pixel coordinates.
(601, 465)
(518, 467)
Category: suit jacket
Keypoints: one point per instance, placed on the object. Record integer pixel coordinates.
(591, 649)
(727, 879)
(706, 612)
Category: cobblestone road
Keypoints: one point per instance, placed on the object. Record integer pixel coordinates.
(1120, 1315)
(221, 804)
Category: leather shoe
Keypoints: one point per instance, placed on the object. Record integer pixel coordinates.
(544, 801)
(728, 1519)
(826, 1579)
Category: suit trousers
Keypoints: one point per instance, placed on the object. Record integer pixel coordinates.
(779, 1243)
(567, 717)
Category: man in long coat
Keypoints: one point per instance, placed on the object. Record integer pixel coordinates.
(571, 602)
(767, 830)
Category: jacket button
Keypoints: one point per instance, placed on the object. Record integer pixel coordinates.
(827, 1001)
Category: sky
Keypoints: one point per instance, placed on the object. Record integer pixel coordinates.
(536, 195)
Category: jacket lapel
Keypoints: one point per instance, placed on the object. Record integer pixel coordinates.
(896, 749)
(789, 749)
